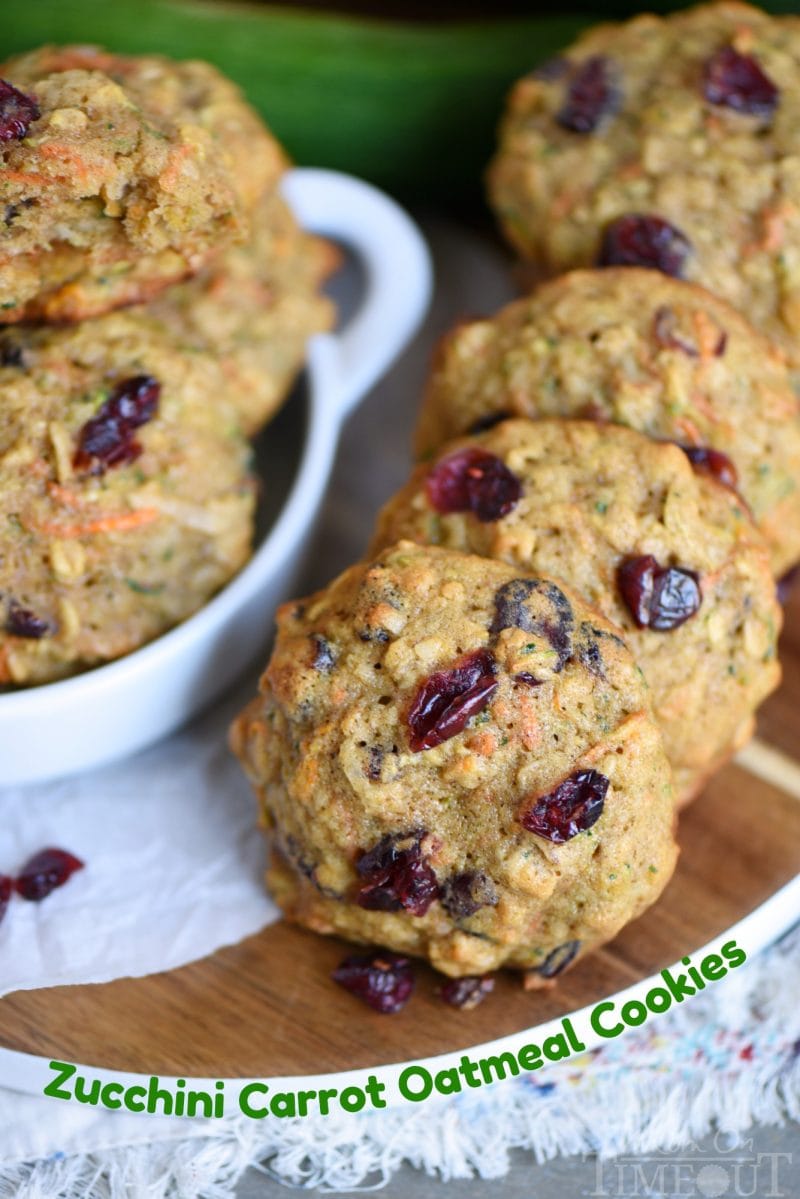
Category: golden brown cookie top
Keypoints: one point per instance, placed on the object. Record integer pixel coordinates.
(635, 347)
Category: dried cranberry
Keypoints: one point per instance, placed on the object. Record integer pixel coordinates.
(575, 805)
(17, 112)
(471, 480)
(592, 95)
(46, 870)
(464, 894)
(6, 887)
(713, 463)
(467, 993)
(641, 239)
(484, 423)
(324, 658)
(527, 679)
(383, 980)
(737, 81)
(558, 959)
(658, 598)
(444, 702)
(107, 439)
(396, 876)
(539, 607)
(22, 622)
(667, 334)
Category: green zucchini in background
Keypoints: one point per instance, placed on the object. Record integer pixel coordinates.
(412, 107)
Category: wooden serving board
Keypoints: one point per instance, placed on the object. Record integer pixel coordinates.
(266, 1007)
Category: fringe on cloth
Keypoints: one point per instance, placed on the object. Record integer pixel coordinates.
(729, 1060)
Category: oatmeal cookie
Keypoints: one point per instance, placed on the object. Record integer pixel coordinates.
(425, 793)
(668, 555)
(635, 347)
(666, 142)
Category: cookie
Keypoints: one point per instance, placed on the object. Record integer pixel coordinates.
(669, 555)
(127, 496)
(120, 175)
(635, 347)
(426, 794)
(255, 309)
(670, 143)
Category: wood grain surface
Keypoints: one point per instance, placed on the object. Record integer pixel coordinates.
(267, 1006)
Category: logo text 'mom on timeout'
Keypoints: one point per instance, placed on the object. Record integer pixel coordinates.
(717, 1173)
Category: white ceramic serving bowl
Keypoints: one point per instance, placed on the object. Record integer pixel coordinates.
(113, 710)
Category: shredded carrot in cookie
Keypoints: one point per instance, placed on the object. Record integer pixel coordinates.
(120, 522)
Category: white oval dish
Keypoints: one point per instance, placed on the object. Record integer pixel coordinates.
(113, 710)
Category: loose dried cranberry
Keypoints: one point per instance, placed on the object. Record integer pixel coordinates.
(539, 607)
(464, 894)
(383, 980)
(484, 423)
(46, 870)
(592, 95)
(658, 598)
(6, 887)
(558, 959)
(324, 658)
(713, 463)
(636, 578)
(575, 805)
(22, 622)
(471, 480)
(107, 439)
(396, 876)
(737, 81)
(444, 702)
(17, 112)
(467, 993)
(641, 239)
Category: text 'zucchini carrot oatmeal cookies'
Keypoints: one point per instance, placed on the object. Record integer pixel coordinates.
(120, 175)
(632, 346)
(669, 555)
(126, 493)
(458, 760)
(666, 142)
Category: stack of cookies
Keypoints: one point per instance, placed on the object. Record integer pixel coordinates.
(155, 299)
(471, 746)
